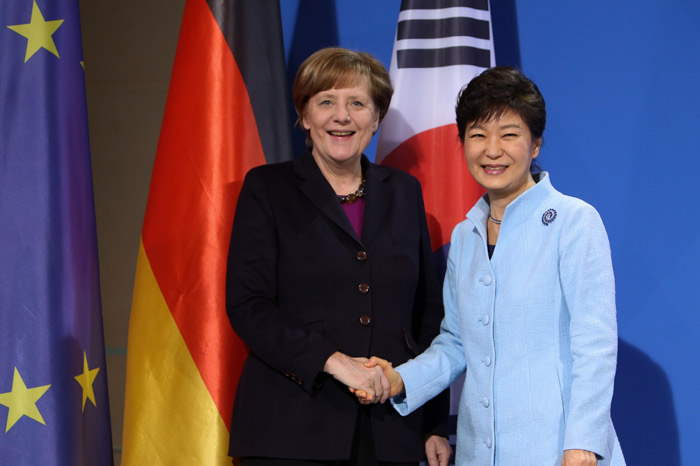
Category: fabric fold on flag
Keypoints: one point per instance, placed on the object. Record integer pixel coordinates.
(226, 112)
(54, 408)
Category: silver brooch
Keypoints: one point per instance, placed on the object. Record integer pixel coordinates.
(548, 217)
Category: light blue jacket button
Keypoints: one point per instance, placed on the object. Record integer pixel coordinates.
(486, 280)
(485, 402)
(485, 319)
(488, 443)
(487, 361)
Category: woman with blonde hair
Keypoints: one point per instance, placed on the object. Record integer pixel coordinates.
(330, 262)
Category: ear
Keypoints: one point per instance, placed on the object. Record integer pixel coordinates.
(536, 148)
(375, 123)
(304, 121)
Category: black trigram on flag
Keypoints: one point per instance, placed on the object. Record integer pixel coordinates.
(424, 21)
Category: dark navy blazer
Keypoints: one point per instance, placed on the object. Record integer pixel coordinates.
(302, 285)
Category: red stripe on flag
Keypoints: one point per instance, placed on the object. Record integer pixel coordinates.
(436, 158)
(208, 141)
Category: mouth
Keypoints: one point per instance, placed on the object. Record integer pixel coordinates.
(341, 133)
(494, 169)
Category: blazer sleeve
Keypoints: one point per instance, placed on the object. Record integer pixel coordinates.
(273, 334)
(588, 288)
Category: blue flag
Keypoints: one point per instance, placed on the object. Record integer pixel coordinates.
(54, 408)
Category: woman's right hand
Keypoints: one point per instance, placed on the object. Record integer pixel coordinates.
(361, 377)
(395, 380)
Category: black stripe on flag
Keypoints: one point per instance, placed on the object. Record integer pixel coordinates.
(438, 4)
(253, 31)
(447, 27)
(435, 58)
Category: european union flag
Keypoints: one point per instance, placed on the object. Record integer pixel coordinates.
(53, 386)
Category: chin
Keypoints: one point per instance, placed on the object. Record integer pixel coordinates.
(346, 157)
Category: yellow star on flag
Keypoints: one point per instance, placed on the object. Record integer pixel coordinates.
(38, 33)
(22, 401)
(85, 380)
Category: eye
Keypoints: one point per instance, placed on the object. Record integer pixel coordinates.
(325, 102)
(476, 136)
(357, 103)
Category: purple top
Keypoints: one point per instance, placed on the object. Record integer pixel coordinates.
(355, 212)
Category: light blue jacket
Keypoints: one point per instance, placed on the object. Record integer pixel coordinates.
(534, 328)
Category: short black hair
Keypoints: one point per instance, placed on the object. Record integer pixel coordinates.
(497, 91)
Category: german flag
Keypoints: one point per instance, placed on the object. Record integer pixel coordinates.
(226, 112)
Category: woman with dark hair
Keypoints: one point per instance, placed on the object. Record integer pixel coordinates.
(529, 301)
(330, 262)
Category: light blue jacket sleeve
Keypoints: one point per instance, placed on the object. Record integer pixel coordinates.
(588, 291)
(435, 369)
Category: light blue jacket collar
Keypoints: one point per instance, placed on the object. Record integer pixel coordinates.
(517, 211)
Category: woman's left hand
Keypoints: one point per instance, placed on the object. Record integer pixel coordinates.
(438, 450)
(579, 458)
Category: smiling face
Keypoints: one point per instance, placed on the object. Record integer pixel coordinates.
(341, 123)
(499, 153)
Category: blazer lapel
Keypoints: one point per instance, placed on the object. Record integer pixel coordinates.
(320, 193)
(378, 200)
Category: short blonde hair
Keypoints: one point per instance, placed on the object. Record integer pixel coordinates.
(335, 67)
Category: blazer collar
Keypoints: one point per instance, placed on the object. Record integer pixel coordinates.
(379, 197)
(321, 194)
(518, 211)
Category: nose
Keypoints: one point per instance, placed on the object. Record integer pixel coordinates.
(342, 114)
(493, 148)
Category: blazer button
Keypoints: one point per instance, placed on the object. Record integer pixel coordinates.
(485, 402)
(485, 319)
(365, 320)
(361, 255)
(363, 287)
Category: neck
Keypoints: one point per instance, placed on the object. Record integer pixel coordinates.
(344, 178)
(499, 200)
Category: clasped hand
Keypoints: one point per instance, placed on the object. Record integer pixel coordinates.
(394, 380)
(372, 380)
(360, 376)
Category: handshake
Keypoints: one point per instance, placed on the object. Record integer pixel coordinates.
(371, 380)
